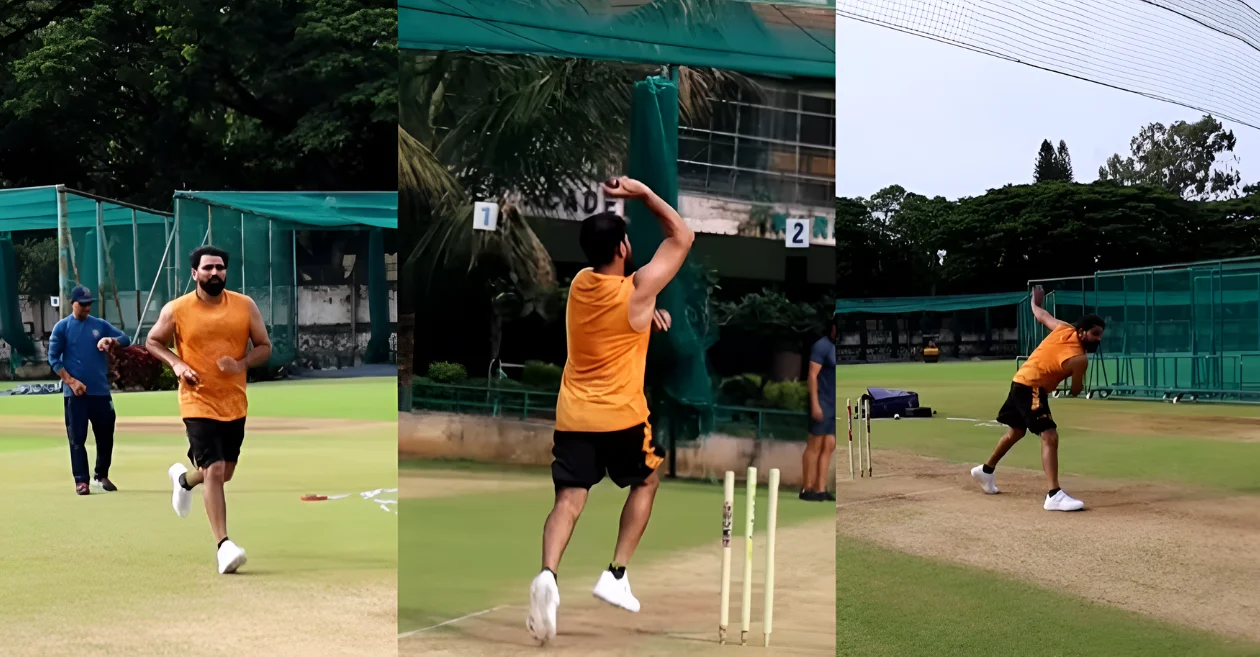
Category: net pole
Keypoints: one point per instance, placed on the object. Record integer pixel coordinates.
(271, 282)
(293, 241)
(63, 251)
(135, 259)
(100, 259)
(243, 254)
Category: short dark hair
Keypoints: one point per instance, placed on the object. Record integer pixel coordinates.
(1089, 321)
(194, 258)
(600, 236)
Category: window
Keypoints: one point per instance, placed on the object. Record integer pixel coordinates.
(771, 146)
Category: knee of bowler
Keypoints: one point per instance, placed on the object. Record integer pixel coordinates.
(216, 470)
(1050, 436)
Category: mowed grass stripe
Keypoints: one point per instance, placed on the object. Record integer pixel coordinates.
(889, 604)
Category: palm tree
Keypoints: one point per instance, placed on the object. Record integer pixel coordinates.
(520, 129)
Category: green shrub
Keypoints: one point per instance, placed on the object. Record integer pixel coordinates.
(448, 373)
(166, 380)
(742, 390)
(542, 375)
(787, 395)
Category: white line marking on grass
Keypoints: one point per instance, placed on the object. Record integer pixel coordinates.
(963, 419)
(881, 498)
(405, 635)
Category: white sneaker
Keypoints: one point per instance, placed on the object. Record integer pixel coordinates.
(616, 592)
(988, 481)
(544, 598)
(1061, 501)
(231, 557)
(180, 499)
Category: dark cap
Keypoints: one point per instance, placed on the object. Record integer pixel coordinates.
(82, 295)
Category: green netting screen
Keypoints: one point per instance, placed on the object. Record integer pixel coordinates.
(258, 231)
(121, 266)
(1182, 328)
(678, 378)
(136, 259)
(769, 38)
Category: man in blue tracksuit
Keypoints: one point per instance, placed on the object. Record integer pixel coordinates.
(78, 352)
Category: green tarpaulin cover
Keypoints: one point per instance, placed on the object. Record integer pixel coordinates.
(777, 39)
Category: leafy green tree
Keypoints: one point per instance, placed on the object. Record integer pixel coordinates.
(1192, 160)
(135, 99)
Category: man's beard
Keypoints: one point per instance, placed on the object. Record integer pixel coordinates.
(629, 264)
(1091, 347)
(213, 287)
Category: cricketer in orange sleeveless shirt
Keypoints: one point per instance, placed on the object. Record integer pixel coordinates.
(602, 426)
(1062, 354)
(211, 330)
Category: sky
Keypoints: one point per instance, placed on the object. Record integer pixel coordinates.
(941, 120)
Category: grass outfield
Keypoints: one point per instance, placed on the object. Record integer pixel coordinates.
(464, 553)
(131, 573)
(1093, 440)
(889, 604)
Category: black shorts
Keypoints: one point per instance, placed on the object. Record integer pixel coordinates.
(581, 458)
(211, 441)
(1027, 408)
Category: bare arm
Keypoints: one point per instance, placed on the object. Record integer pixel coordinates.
(1077, 366)
(257, 335)
(158, 342)
(669, 256)
(1046, 318)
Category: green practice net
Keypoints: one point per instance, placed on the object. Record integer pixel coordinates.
(136, 259)
(258, 230)
(679, 385)
(1179, 330)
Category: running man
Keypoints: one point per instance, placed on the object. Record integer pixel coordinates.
(78, 352)
(602, 414)
(211, 329)
(821, 444)
(1062, 354)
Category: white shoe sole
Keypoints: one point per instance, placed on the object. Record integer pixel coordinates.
(610, 601)
(234, 564)
(980, 480)
(539, 623)
(178, 492)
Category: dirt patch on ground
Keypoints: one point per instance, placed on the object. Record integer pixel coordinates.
(168, 425)
(680, 609)
(1185, 556)
(426, 484)
(240, 615)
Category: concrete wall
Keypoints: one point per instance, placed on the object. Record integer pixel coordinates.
(430, 435)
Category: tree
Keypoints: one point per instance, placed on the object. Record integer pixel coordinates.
(1192, 160)
(1065, 161)
(1051, 164)
(133, 100)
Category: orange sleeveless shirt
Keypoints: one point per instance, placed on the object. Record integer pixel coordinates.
(602, 386)
(1044, 368)
(204, 333)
